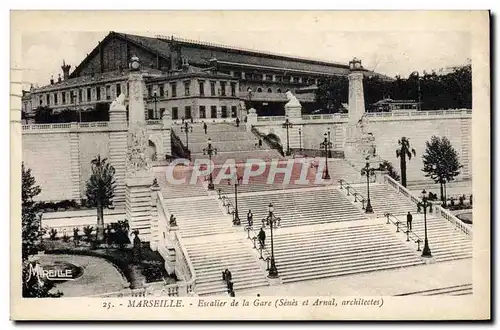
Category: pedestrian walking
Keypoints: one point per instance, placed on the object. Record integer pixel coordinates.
(262, 237)
(205, 127)
(237, 122)
(409, 219)
(260, 143)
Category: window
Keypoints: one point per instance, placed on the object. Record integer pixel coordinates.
(89, 94)
(55, 98)
(162, 110)
(174, 89)
(202, 87)
(63, 97)
(149, 91)
(224, 111)
(175, 113)
(233, 111)
(203, 113)
(47, 96)
(213, 111)
(162, 91)
(98, 93)
(269, 90)
(259, 90)
(41, 101)
(118, 89)
(233, 89)
(108, 92)
(186, 88)
(269, 77)
(278, 90)
(80, 95)
(187, 112)
(212, 88)
(222, 88)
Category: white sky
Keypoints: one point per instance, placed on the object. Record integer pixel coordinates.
(390, 53)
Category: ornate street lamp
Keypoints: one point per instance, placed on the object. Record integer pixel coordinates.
(300, 139)
(187, 128)
(368, 171)
(426, 252)
(236, 182)
(210, 151)
(287, 124)
(329, 141)
(327, 145)
(272, 221)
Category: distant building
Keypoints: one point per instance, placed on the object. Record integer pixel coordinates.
(190, 78)
(388, 105)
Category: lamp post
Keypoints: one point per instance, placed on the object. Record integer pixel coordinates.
(236, 183)
(249, 90)
(329, 141)
(154, 98)
(210, 151)
(300, 139)
(187, 128)
(327, 145)
(287, 124)
(272, 221)
(426, 252)
(73, 100)
(368, 171)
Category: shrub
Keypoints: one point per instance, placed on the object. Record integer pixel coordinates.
(53, 234)
(65, 238)
(87, 231)
(461, 200)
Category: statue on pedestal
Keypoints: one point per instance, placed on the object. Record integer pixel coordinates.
(292, 100)
(119, 102)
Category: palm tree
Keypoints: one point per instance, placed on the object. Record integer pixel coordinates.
(405, 150)
(100, 190)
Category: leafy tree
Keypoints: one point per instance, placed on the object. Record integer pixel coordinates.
(441, 162)
(387, 166)
(100, 190)
(404, 151)
(331, 93)
(31, 218)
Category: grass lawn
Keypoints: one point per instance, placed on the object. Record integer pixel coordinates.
(150, 268)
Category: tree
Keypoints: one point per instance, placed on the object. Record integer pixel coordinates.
(31, 217)
(100, 190)
(387, 166)
(405, 150)
(331, 93)
(441, 162)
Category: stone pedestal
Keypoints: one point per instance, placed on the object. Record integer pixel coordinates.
(251, 119)
(155, 232)
(118, 147)
(138, 203)
(274, 280)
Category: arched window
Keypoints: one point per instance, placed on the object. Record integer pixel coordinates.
(259, 90)
(278, 90)
(269, 90)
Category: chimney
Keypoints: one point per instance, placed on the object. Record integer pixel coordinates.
(52, 80)
(65, 68)
(59, 78)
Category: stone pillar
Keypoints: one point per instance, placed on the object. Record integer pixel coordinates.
(139, 172)
(251, 119)
(118, 148)
(356, 96)
(167, 133)
(293, 108)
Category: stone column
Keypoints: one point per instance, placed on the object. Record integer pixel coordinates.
(356, 97)
(251, 119)
(155, 235)
(139, 172)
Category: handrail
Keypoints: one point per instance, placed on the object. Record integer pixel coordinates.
(442, 212)
(343, 183)
(190, 284)
(399, 224)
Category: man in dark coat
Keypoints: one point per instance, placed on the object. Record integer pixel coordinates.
(250, 218)
(237, 122)
(409, 219)
(205, 127)
(262, 237)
